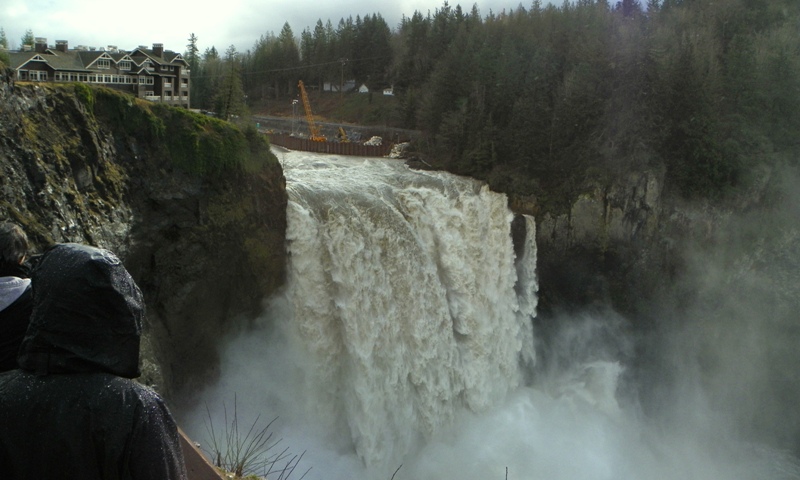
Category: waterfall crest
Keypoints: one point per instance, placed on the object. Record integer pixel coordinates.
(407, 298)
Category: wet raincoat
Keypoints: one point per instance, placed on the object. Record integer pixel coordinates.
(16, 303)
(72, 410)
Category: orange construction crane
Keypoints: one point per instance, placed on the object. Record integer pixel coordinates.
(315, 135)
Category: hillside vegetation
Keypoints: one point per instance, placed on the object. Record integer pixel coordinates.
(560, 96)
(549, 99)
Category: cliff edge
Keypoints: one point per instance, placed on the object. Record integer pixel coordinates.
(194, 206)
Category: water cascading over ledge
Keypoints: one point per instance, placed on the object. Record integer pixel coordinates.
(402, 343)
(407, 298)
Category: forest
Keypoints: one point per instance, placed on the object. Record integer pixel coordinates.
(550, 98)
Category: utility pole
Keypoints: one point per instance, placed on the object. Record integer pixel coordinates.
(341, 82)
(294, 117)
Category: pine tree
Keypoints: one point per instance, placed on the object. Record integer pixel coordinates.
(287, 56)
(28, 38)
(192, 52)
(229, 99)
(193, 59)
(372, 43)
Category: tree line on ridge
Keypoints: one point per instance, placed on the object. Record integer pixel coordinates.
(546, 97)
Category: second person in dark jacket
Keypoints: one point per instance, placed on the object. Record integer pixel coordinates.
(16, 300)
(72, 410)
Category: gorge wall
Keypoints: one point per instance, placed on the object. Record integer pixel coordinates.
(708, 290)
(195, 207)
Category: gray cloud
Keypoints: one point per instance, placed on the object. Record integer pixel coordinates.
(237, 22)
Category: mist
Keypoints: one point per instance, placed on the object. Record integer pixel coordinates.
(728, 328)
(708, 392)
(579, 419)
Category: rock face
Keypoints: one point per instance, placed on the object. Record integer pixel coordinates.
(588, 252)
(621, 244)
(205, 244)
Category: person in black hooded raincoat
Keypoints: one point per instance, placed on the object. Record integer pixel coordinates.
(16, 300)
(72, 411)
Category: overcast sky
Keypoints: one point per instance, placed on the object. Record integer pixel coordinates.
(221, 23)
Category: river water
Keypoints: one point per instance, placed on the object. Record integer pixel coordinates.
(403, 347)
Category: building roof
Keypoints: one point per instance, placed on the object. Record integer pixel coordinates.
(167, 57)
(81, 60)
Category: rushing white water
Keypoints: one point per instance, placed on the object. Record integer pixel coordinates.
(404, 337)
(402, 288)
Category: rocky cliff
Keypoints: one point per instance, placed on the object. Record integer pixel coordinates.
(622, 243)
(709, 290)
(194, 206)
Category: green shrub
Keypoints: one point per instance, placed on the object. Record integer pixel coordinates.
(196, 143)
(86, 95)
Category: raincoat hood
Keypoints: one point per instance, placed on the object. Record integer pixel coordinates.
(87, 314)
(11, 288)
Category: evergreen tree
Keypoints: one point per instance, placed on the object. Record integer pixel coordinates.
(309, 73)
(628, 7)
(413, 64)
(229, 99)
(192, 52)
(374, 49)
(259, 69)
(27, 39)
(286, 57)
(320, 55)
(4, 57)
(193, 59)
(205, 79)
(344, 47)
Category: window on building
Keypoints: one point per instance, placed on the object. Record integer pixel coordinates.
(83, 77)
(106, 78)
(103, 63)
(124, 65)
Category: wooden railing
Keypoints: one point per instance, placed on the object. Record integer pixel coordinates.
(345, 148)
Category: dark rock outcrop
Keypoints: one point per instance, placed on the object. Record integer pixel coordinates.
(204, 241)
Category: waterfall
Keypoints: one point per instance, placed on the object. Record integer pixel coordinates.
(407, 297)
(404, 338)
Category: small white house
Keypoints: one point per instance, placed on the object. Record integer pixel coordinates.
(363, 88)
(389, 91)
